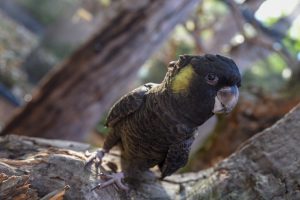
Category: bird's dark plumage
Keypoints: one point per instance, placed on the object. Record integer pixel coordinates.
(154, 124)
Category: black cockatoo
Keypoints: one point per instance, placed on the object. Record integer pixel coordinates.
(155, 123)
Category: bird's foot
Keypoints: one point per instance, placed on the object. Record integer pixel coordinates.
(96, 158)
(110, 179)
(115, 179)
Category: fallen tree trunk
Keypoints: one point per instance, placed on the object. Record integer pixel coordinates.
(265, 167)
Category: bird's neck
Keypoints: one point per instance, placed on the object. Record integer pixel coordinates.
(184, 107)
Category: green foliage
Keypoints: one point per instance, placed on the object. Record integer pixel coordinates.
(15, 44)
(47, 11)
(101, 128)
(105, 2)
(184, 48)
(292, 40)
(266, 74)
(271, 21)
(211, 11)
(59, 50)
(180, 39)
(292, 45)
(7, 80)
(153, 71)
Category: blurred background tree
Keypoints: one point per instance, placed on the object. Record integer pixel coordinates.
(263, 37)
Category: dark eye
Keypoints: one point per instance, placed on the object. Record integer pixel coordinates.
(211, 79)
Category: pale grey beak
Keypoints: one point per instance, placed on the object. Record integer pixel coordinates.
(226, 99)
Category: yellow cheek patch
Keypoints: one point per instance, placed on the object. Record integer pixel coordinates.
(182, 80)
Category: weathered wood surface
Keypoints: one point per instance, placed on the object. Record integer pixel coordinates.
(265, 167)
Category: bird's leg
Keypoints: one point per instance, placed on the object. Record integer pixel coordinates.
(95, 157)
(115, 178)
(110, 179)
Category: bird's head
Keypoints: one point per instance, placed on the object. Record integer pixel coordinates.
(209, 81)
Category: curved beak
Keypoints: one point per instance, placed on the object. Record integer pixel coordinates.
(226, 99)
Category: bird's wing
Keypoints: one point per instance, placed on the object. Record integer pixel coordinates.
(176, 157)
(128, 104)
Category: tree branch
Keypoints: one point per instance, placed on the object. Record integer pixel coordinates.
(265, 167)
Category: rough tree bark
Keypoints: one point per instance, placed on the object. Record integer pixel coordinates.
(265, 167)
(69, 103)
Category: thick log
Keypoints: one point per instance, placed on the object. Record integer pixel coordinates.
(265, 167)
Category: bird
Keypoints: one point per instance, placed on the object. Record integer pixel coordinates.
(155, 124)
